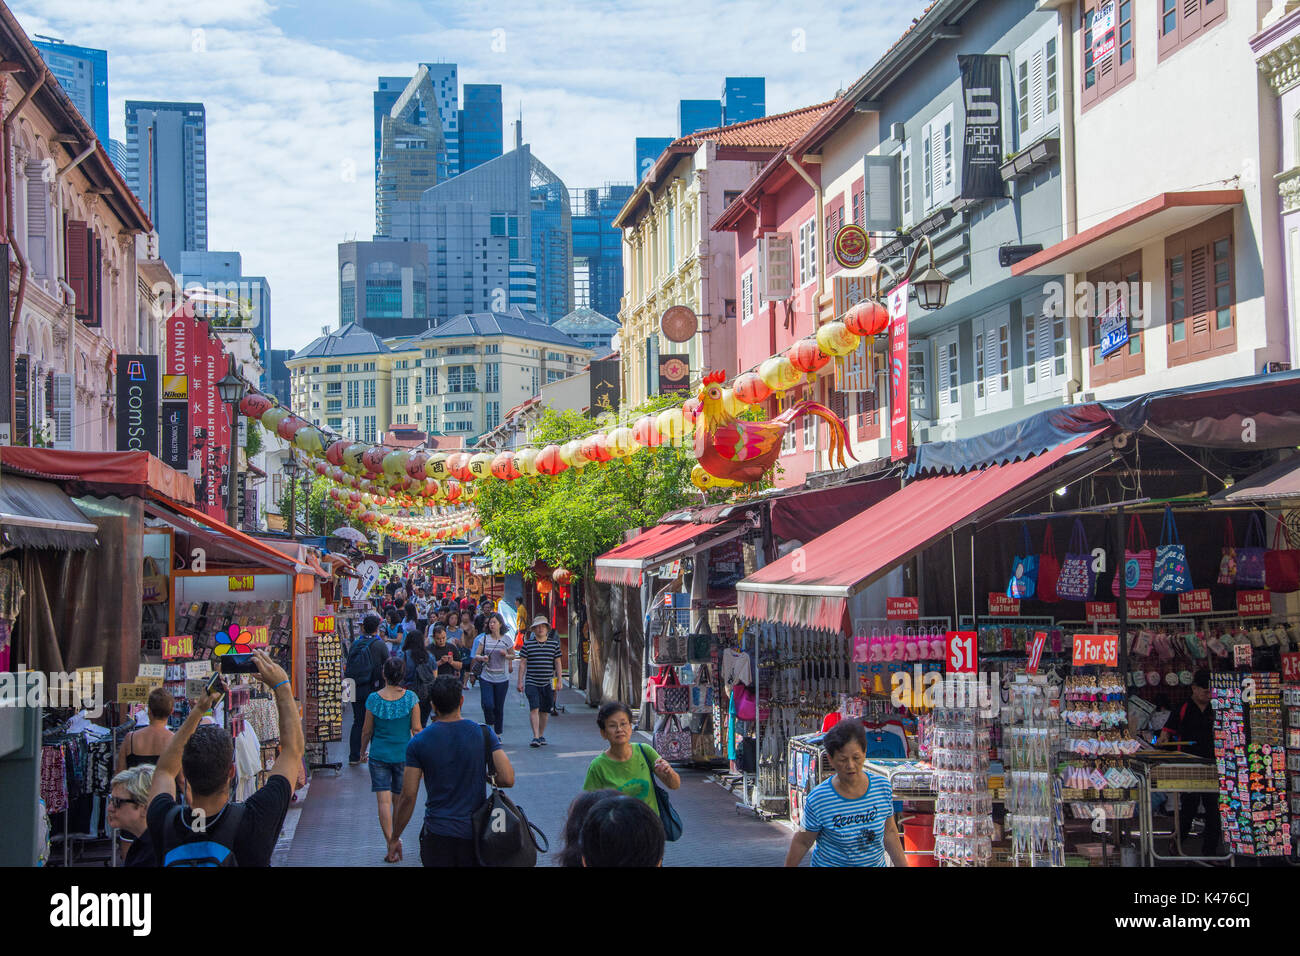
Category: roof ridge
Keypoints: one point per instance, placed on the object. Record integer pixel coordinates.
(703, 133)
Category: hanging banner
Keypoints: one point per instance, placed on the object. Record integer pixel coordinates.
(199, 356)
(982, 155)
(899, 432)
(174, 450)
(604, 386)
(674, 373)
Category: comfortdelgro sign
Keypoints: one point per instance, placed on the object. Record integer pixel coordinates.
(137, 403)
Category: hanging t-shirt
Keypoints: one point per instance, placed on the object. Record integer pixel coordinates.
(849, 832)
(632, 777)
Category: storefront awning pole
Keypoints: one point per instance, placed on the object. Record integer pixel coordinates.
(952, 545)
(974, 621)
(1122, 576)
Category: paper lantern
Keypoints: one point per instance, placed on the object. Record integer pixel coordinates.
(868, 317)
(596, 449)
(394, 464)
(731, 403)
(691, 411)
(550, 462)
(458, 466)
(646, 432)
(779, 375)
(672, 426)
(289, 426)
(544, 586)
(373, 460)
(334, 453)
(321, 468)
(384, 521)
(272, 417)
(352, 458)
(453, 491)
(561, 576)
(572, 455)
(255, 404)
(751, 389)
(430, 488)
(621, 442)
(807, 357)
(480, 466)
(436, 466)
(310, 441)
(525, 460)
(836, 340)
(503, 467)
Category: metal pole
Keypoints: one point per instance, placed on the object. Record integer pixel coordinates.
(232, 497)
(293, 505)
(1122, 609)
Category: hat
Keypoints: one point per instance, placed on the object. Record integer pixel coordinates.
(540, 619)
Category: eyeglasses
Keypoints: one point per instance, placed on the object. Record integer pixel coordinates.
(118, 802)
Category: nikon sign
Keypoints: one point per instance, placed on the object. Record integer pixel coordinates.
(137, 403)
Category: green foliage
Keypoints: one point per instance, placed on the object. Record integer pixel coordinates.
(316, 512)
(254, 432)
(569, 519)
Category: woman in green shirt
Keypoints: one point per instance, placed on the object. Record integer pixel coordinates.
(624, 767)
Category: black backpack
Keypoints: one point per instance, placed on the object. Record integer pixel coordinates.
(420, 677)
(214, 847)
(360, 667)
(503, 836)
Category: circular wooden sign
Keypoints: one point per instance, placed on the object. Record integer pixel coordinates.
(679, 324)
(851, 246)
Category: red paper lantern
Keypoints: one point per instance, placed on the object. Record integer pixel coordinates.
(415, 465)
(549, 461)
(458, 467)
(290, 426)
(807, 357)
(453, 490)
(503, 467)
(544, 586)
(562, 576)
(373, 459)
(255, 404)
(646, 431)
(751, 389)
(868, 317)
(595, 449)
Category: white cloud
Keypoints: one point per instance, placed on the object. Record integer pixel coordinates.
(287, 90)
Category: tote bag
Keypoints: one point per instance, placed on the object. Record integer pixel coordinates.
(1049, 568)
(1282, 564)
(155, 584)
(1228, 557)
(1172, 575)
(1138, 565)
(1024, 571)
(1250, 556)
(1077, 581)
(672, 741)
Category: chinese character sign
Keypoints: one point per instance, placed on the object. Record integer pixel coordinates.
(898, 383)
(199, 356)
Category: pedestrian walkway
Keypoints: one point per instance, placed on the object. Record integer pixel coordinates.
(338, 824)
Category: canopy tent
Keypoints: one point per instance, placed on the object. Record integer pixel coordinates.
(811, 585)
(224, 545)
(627, 563)
(37, 514)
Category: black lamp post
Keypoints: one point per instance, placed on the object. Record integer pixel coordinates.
(290, 468)
(231, 390)
(931, 286)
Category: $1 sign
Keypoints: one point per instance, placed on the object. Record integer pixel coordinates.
(961, 653)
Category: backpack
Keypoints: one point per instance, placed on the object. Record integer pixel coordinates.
(361, 663)
(215, 847)
(419, 677)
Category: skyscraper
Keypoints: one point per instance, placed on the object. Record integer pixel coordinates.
(412, 151)
(598, 247)
(167, 168)
(648, 149)
(481, 132)
(83, 74)
(442, 77)
(384, 286)
(552, 245)
(743, 98)
(696, 115)
(222, 273)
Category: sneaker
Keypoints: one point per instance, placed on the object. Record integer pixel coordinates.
(542, 741)
(354, 763)
(535, 742)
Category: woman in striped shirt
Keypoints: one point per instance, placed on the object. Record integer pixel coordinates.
(848, 819)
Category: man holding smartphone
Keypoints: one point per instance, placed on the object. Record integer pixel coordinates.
(212, 830)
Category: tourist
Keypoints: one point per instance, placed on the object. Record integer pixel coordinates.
(126, 813)
(411, 622)
(623, 767)
(448, 756)
(571, 853)
(143, 745)
(1192, 724)
(621, 831)
(392, 719)
(541, 653)
(243, 834)
(521, 615)
(420, 671)
(848, 819)
(364, 667)
(446, 655)
(494, 655)
(393, 628)
(454, 630)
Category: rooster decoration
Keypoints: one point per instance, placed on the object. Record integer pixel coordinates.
(737, 451)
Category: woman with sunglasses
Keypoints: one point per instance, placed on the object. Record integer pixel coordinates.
(127, 813)
(848, 819)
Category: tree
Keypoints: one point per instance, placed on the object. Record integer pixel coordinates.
(317, 513)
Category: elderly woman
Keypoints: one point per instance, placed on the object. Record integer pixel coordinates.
(848, 819)
(127, 809)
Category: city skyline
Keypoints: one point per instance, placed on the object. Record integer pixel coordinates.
(320, 63)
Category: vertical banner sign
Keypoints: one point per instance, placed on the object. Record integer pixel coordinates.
(137, 403)
(201, 358)
(604, 386)
(854, 373)
(981, 84)
(899, 433)
(175, 422)
(674, 373)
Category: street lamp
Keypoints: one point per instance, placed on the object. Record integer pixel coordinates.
(231, 390)
(931, 285)
(290, 468)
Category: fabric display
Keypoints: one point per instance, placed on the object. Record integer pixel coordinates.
(1024, 570)
(1282, 562)
(670, 695)
(1252, 774)
(669, 648)
(1172, 574)
(1049, 567)
(807, 767)
(54, 785)
(1251, 570)
(737, 667)
(1138, 564)
(261, 715)
(1077, 580)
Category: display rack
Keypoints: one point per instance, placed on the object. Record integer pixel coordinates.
(1030, 740)
(963, 806)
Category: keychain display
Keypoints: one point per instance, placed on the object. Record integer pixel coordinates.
(959, 752)
(1030, 734)
(1252, 774)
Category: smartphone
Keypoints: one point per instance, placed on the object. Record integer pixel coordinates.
(216, 685)
(231, 664)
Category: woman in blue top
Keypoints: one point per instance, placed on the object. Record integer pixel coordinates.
(392, 719)
(848, 819)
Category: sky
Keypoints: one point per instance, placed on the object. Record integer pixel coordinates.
(287, 90)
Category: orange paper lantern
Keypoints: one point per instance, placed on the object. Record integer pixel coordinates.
(868, 317)
(807, 357)
(751, 389)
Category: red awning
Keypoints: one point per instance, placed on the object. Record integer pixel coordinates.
(811, 585)
(100, 473)
(235, 542)
(665, 542)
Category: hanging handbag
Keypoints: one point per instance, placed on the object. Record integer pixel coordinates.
(700, 647)
(702, 693)
(1282, 564)
(503, 835)
(1138, 565)
(667, 815)
(1250, 556)
(1228, 557)
(672, 740)
(672, 696)
(1077, 581)
(1172, 575)
(1024, 571)
(669, 647)
(746, 703)
(1049, 568)
(155, 583)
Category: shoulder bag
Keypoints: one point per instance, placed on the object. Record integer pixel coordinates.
(1138, 564)
(667, 815)
(1024, 571)
(1077, 581)
(503, 836)
(1228, 557)
(1282, 563)
(1172, 574)
(1250, 556)
(1049, 568)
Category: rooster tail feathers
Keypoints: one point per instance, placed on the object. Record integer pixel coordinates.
(839, 433)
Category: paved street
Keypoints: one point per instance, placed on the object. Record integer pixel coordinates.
(338, 825)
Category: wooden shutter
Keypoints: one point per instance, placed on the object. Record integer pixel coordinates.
(944, 372)
(1037, 94)
(927, 167)
(22, 400)
(992, 365)
(1166, 43)
(1203, 288)
(859, 206)
(61, 410)
(38, 205)
(881, 200)
(95, 269)
(834, 220)
(76, 266)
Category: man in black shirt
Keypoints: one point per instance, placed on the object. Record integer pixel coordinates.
(1192, 723)
(212, 828)
(448, 657)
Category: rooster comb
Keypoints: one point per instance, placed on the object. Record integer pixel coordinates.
(715, 378)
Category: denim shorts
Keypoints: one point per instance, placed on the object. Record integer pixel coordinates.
(385, 776)
(540, 698)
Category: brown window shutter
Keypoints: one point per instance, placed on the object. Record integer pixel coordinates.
(75, 265)
(1125, 71)
(859, 210)
(1189, 20)
(1167, 43)
(1212, 12)
(834, 220)
(1176, 249)
(96, 271)
(1223, 293)
(1200, 280)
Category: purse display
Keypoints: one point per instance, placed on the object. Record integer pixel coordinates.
(1138, 566)
(672, 741)
(672, 696)
(1077, 581)
(1172, 574)
(669, 648)
(700, 647)
(1228, 557)
(1024, 571)
(155, 583)
(1250, 556)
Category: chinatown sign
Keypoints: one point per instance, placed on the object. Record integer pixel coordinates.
(194, 352)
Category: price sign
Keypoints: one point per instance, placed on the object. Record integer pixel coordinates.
(133, 693)
(195, 686)
(323, 624)
(1036, 652)
(1097, 650)
(95, 673)
(961, 652)
(150, 682)
(902, 608)
(1143, 609)
(198, 668)
(177, 646)
(1242, 655)
(153, 670)
(1101, 611)
(241, 582)
(1195, 602)
(1291, 667)
(1002, 606)
(1254, 603)
(259, 635)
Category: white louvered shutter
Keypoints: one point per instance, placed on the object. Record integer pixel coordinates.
(38, 200)
(62, 412)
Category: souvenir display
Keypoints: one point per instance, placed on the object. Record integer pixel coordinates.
(1030, 739)
(963, 820)
(322, 712)
(1252, 766)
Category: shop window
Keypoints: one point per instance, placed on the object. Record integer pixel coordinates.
(1035, 68)
(1182, 21)
(992, 354)
(1200, 289)
(808, 252)
(938, 173)
(1121, 277)
(1107, 51)
(1046, 348)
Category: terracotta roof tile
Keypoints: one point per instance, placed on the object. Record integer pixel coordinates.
(767, 132)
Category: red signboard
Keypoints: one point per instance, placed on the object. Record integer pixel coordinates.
(1143, 609)
(1002, 606)
(899, 433)
(1036, 652)
(902, 608)
(259, 635)
(177, 647)
(196, 353)
(322, 624)
(1101, 611)
(1195, 602)
(1291, 667)
(1096, 650)
(1254, 603)
(961, 652)
(1243, 655)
